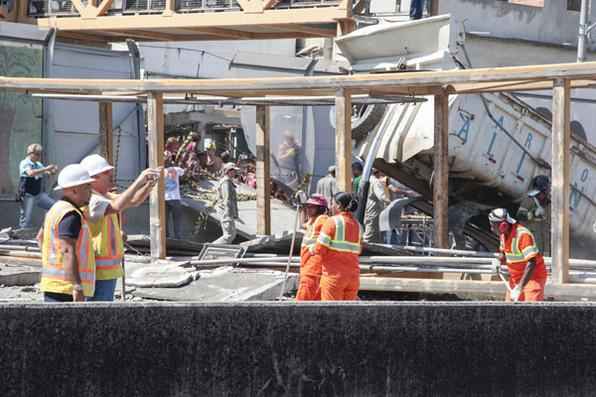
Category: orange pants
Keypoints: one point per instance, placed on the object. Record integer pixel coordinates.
(309, 288)
(532, 292)
(336, 287)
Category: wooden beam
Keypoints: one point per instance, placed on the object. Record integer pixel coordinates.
(311, 85)
(263, 171)
(561, 139)
(441, 171)
(106, 132)
(434, 7)
(157, 206)
(343, 140)
(230, 19)
(311, 31)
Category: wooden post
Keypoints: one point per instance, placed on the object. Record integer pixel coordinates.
(263, 171)
(343, 140)
(157, 205)
(434, 7)
(105, 130)
(561, 139)
(441, 171)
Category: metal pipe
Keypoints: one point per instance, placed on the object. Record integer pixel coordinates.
(441, 251)
(582, 32)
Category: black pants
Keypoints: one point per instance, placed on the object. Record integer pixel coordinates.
(52, 297)
(416, 9)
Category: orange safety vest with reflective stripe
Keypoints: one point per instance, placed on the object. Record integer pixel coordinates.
(108, 246)
(310, 264)
(54, 277)
(339, 244)
(313, 229)
(520, 247)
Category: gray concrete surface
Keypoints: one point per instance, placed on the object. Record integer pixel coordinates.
(224, 284)
(268, 349)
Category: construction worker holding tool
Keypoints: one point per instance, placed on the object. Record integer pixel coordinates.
(527, 273)
(338, 247)
(105, 221)
(68, 260)
(310, 264)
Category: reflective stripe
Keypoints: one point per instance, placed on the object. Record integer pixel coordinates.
(339, 243)
(516, 255)
(60, 274)
(103, 262)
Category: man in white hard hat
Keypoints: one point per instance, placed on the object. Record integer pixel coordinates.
(527, 273)
(105, 221)
(227, 204)
(68, 261)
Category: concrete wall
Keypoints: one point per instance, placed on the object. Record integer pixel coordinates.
(549, 24)
(269, 349)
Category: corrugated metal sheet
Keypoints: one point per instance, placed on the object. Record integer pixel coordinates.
(73, 127)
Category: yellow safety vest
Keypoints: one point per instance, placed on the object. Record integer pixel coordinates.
(108, 246)
(338, 242)
(310, 239)
(54, 277)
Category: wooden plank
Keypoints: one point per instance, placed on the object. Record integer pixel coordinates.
(441, 171)
(343, 140)
(157, 206)
(561, 139)
(306, 84)
(298, 16)
(493, 288)
(106, 132)
(263, 170)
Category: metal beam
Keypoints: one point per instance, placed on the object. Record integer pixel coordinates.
(157, 207)
(561, 140)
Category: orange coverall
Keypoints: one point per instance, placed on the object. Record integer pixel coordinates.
(519, 247)
(339, 246)
(310, 264)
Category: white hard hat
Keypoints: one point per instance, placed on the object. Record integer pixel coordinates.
(73, 175)
(95, 164)
(500, 215)
(229, 166)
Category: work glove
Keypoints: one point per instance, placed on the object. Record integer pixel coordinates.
(539, 213)
(516, 292)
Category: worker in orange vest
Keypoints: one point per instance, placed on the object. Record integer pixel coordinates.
(310, 264)
(527, 273)
(338, 246)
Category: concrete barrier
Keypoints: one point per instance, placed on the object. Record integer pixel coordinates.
(283, 349)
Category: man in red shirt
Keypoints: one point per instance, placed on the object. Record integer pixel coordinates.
(527, 273)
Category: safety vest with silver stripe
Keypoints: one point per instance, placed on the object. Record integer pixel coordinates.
(516, 255)
(108, 246)
(338, 242)
(310, 238)
(54, 277)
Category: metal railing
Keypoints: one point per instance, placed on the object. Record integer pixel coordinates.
(65, 8)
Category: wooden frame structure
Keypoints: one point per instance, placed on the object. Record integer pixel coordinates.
(102, 21)
(560, 78)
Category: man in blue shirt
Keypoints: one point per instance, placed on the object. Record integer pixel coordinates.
(31, 172)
